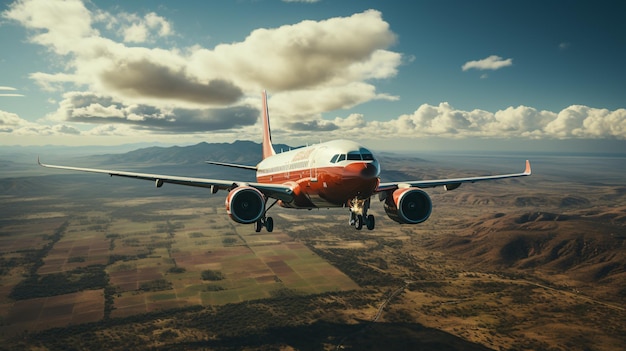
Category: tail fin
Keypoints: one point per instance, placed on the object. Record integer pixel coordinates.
(268, 149)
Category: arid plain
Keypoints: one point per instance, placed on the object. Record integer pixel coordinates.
(92, 262)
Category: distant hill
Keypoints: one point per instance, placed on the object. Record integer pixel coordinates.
(583, 249)
(241, 152)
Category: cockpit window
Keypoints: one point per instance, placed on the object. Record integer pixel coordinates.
(361, 155)
(354, 156)
(368, 157)
(366, 154)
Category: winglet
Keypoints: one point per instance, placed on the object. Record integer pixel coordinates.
(268, 149)
(527, 171)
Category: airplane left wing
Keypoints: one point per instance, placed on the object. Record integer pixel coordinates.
(449, 184)
(276, 191)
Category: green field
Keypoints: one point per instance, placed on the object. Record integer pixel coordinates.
(153, 257)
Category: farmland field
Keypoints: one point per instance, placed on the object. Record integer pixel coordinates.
(103, 263)
(153, 261)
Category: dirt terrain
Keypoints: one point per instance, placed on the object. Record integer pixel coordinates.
(102, 263)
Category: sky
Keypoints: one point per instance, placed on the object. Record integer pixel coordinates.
(395, 75)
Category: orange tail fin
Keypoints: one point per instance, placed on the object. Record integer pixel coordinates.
(268, 148)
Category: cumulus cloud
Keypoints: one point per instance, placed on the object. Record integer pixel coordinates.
(139, 30)
(330, 62)
(11, 123)
(308, 54)
(492, 62)
(303, 103)
(59, 25)
(146, 78)
(314, 125)
(78, 107)
(444, 120)
(106, 66)
(133, 28)
(118, 87)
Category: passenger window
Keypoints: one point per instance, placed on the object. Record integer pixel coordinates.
(334, 159)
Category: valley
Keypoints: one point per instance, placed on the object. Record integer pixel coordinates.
(92, 262)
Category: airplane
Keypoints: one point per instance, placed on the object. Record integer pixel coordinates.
(333, 174)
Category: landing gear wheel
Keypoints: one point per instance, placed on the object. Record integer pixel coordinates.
(371, 222)
(358, 224)
(269, 224)
(258, 225)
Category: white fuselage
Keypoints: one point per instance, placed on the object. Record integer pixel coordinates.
(324, 175)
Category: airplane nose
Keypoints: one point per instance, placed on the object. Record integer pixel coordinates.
(362, 169)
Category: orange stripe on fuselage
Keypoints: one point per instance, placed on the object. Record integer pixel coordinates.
(323, 187)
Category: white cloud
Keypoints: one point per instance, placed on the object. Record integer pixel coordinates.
(9, 121)
(309, 54)
(492, 62)
(311, 68)
(59, 25)
(135, 29)
(79, 107)
(443, 120)
(4, 88)
(330, 61)
(111, 130)
(12, 124)
(303, 103)
(585, 122)
(135, 33)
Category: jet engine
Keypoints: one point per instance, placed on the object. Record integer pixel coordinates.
(245, 204)
(408, 205)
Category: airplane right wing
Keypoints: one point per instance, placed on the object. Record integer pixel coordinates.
(276, 191)
(449, 184)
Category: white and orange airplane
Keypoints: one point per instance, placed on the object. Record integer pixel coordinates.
(338, 173)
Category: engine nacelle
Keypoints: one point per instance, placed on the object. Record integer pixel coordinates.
(245, 204)
(408, 206)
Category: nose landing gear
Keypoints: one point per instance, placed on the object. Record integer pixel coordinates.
(359, 216)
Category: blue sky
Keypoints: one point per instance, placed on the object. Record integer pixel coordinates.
(526, 75)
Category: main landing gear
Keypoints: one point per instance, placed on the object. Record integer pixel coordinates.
(267, 222)
(359, 216)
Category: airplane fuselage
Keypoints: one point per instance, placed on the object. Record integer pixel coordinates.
(323, 175)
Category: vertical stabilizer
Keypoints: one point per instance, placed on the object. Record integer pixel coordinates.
(268, 149)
